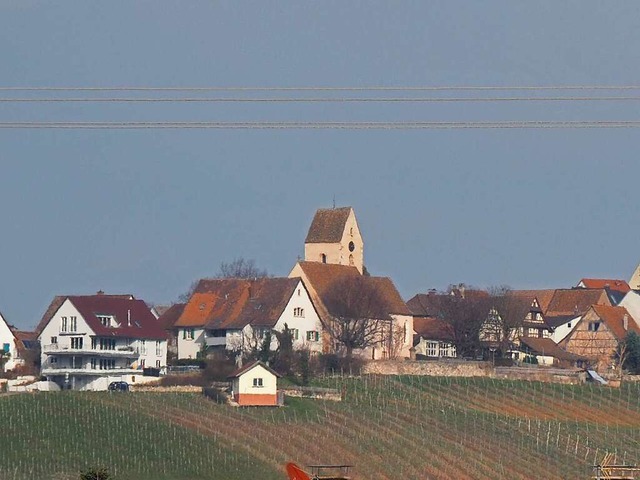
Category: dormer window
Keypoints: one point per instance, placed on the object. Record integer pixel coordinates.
(106, 320)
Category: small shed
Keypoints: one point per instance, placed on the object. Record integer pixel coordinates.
(255, 385)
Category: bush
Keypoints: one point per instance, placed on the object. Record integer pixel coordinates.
(95, 474)
(330, 363)
(188, 362)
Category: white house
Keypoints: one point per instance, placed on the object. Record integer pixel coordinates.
(255, 385)
(11, 345)
(90, 341)
(235, 315)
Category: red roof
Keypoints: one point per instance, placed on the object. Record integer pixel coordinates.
(614, 317)
(431, 328)
(611, 284)
(170, 315)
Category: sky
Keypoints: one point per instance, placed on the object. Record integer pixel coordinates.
(148, 212)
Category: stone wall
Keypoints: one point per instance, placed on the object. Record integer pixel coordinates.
(313, 392)
(449, 368)
(541, 374)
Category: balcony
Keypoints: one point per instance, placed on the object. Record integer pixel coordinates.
(54, 370)
(120, 352)
(216, 341)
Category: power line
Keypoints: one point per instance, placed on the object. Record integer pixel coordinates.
(324, 125)
(317, 99)
(322, 88)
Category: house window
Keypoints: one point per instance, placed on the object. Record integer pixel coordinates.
(105, 320)
(158, 348)
(107, 364)
(298, 312)
(313, 336)
(143, 347)
(157, 363)
(188, 334)
(93, 363)
(74, 324)
(64, 325)
(295, 333)
(298, 292)
(594, 326)
(94, 343)
(432, 349)
(76, 343)
(107, 344)
(6, 347)
(54, 360)
(257, 383)
(54, 340)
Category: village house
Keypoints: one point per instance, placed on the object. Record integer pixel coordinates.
(89, 341)
(167, 318)
(433, 337)
(255, 384)
(616, 289)
(235, 314)
(14, 344)
(598, 335)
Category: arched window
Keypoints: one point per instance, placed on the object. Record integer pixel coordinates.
(351, 260)
(323, 257)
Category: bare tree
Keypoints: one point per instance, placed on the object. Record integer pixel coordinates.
(359, 316)
(238, 268)
(506, 318)
(241, 268)
(465, 310)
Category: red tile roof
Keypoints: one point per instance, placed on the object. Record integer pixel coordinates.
(611, 284)
(614, 318)
(575, 301)
(328, 225)
(233, 303)
(133, 317)
(321, 276)
(431, 328)
(170, 315)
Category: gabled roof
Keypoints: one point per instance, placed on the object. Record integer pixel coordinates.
(575, 301)
(133, 317)
(549, 348)
(321, 276)
(431, 328)
(542, 296)
(612, 284)
(423, 304)
(614, 318)
(170, 315)
(250, 366)
(233, 303)
(57, 302)
(328, 225)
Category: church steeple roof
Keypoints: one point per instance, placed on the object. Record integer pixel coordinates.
(328, 225)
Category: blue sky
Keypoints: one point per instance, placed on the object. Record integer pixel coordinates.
(148, 212)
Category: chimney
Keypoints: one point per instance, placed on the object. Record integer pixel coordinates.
(625, 322)
(100, 292)
(128, 318)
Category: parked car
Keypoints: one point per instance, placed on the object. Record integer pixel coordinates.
(118, 387)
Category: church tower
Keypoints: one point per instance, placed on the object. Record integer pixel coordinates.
(334, 237)
(634, 281)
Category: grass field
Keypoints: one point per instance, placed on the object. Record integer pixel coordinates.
(388, 427)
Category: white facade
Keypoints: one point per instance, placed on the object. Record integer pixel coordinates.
(631, 302)
(561, 331)
(255, 381)
(76, 358)
(8, 345)
(190, 342)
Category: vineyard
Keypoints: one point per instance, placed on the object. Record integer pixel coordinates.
(388, 427)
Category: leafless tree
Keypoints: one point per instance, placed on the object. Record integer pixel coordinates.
(506, 317)
(238, 268)
(359, 315)
(465, 310)
(241, 268)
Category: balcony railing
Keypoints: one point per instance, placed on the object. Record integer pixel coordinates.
(123, 352)
(55, 370)
(215, 341)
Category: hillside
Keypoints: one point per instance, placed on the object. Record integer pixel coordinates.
(388, 427)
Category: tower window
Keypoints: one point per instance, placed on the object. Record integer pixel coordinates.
(352, 246)
(351, 260)
(323, 257)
